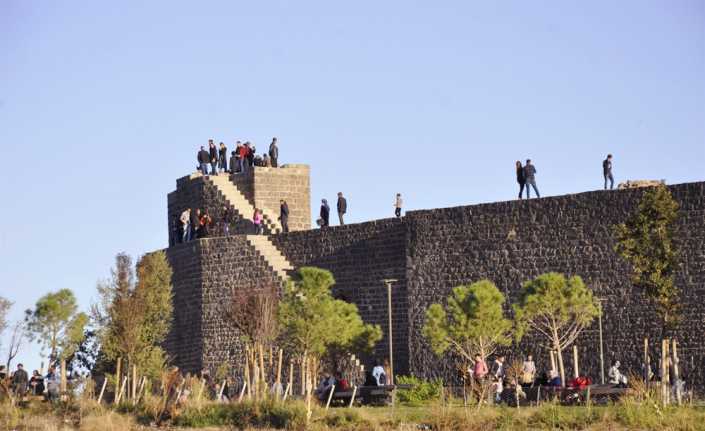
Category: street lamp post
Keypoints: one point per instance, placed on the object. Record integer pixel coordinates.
(388, 282)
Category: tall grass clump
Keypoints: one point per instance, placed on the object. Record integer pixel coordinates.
(421, 391)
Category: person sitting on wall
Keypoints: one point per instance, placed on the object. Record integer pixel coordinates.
(341, 383)
(205, 222)
(554, 379)
(379, 374)
(616, 377)
(324, 386)
(266, 161)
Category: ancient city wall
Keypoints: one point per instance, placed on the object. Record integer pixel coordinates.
(511, 242)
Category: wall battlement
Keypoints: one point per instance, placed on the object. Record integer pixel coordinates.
(432, 251)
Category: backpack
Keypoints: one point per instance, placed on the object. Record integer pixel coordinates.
(382, 379)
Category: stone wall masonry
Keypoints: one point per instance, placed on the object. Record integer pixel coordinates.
(511, 242)
(360, 256)
(289, 182)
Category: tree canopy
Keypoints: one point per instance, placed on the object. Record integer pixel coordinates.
(557, 308)
(56, 323)
(314, 322)
(134, 316)
(645, 240)
(471, 323)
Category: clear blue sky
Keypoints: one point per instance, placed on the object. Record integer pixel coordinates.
(103, 105)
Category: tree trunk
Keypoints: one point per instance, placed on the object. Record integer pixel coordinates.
(560, 366)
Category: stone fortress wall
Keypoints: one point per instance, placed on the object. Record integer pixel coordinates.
(429, 252)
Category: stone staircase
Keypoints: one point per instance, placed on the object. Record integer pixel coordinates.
(241, 204)
(271, 254)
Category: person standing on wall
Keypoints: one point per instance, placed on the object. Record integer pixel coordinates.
(250, 154)
(186, 224)
(284, 215)
(242, 162)
(195, 224)
(274, 152)
(202, 158)
(325, 213)
(213, 153)
(530, 179)
(607, 171)
(342, 207)
(233, 161)
(223, 158)
(520, 178)
(397, 205)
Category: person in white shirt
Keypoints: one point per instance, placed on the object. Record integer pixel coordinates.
(397, 205)
(379, 374)
(184, 219)
(528, 371)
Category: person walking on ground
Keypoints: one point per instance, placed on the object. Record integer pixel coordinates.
(607, 171)
(257, 221)
(20, 380)
(213, 155)
(520, 178)
(274, 152)
(325, 213)
(342, 207)
(529, 177)
(223, 158)
(284, 215)
(186, 224)
(397, 205)
(202, 158)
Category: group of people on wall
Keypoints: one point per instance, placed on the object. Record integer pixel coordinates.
(526, 176)
(241, 160)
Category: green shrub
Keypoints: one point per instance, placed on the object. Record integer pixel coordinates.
(421, 390)
(243, 415)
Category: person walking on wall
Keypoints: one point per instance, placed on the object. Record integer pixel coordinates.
(258, 222)
(223, 158)
(325, 213)
(213, 154)
(202, 158)
(284, 215)
(607, 171)
(397, 205)
(274, 152)
(342, 207)
(530, 179)
(186, 224)
(520, 178)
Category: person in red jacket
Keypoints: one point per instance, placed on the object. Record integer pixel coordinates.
(242, 161)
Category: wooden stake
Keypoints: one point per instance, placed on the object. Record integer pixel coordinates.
(352, 399)
(679, 397)
(63, 377)
(122, 389)
(303, 374)
(143, 382)
(117, 374)
(330, 396)
(286, 391)
(134, 382)
(290, 385)
(278, 383)
(576, 371)
(647, 368)
(242, 391)
(263, 379)
(102, 389)
(247, 374)
(222, 388)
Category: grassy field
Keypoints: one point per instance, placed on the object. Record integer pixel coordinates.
(88, 416)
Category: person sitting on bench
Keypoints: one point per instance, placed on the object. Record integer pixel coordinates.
(379, 375)
(341, 384)
(616, 376)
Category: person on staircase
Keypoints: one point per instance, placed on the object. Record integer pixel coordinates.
(274, 152)
(325, 213)
(284, 215)
(222, 158)
(242, 163)
(342, 207)
(213, 153)
(258, 221)
(226, 219)
(202, 158)
(233, 161)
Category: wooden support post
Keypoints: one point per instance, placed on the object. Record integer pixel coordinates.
(121, 390)
(352, 399)
(262, 377)
(576, 370)
(278, 384)
(102, 389)
(286, 391)
(646, 361)
(117, 375)
(134, 382)
(676, 376)
(330, 396)
(140, 390)
(242, 391)
(664, 373)
(303, 375)
(222, 388)
(290, 385)
(63, 377)
(247, 375)
(553, 360)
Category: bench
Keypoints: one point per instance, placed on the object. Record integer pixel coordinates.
(366, 395)
(599, 394)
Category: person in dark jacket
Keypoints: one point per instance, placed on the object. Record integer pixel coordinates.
(274, 153)
(607, 171)
(529, 172)
(284, 215)
(325, 213)
(20, 380)
(250, 154)
(233, 162)
(196, 224)
(222, 158)
(342, 207)
(520, 178)
(203, 161)
(36, 383)
(213, 155)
